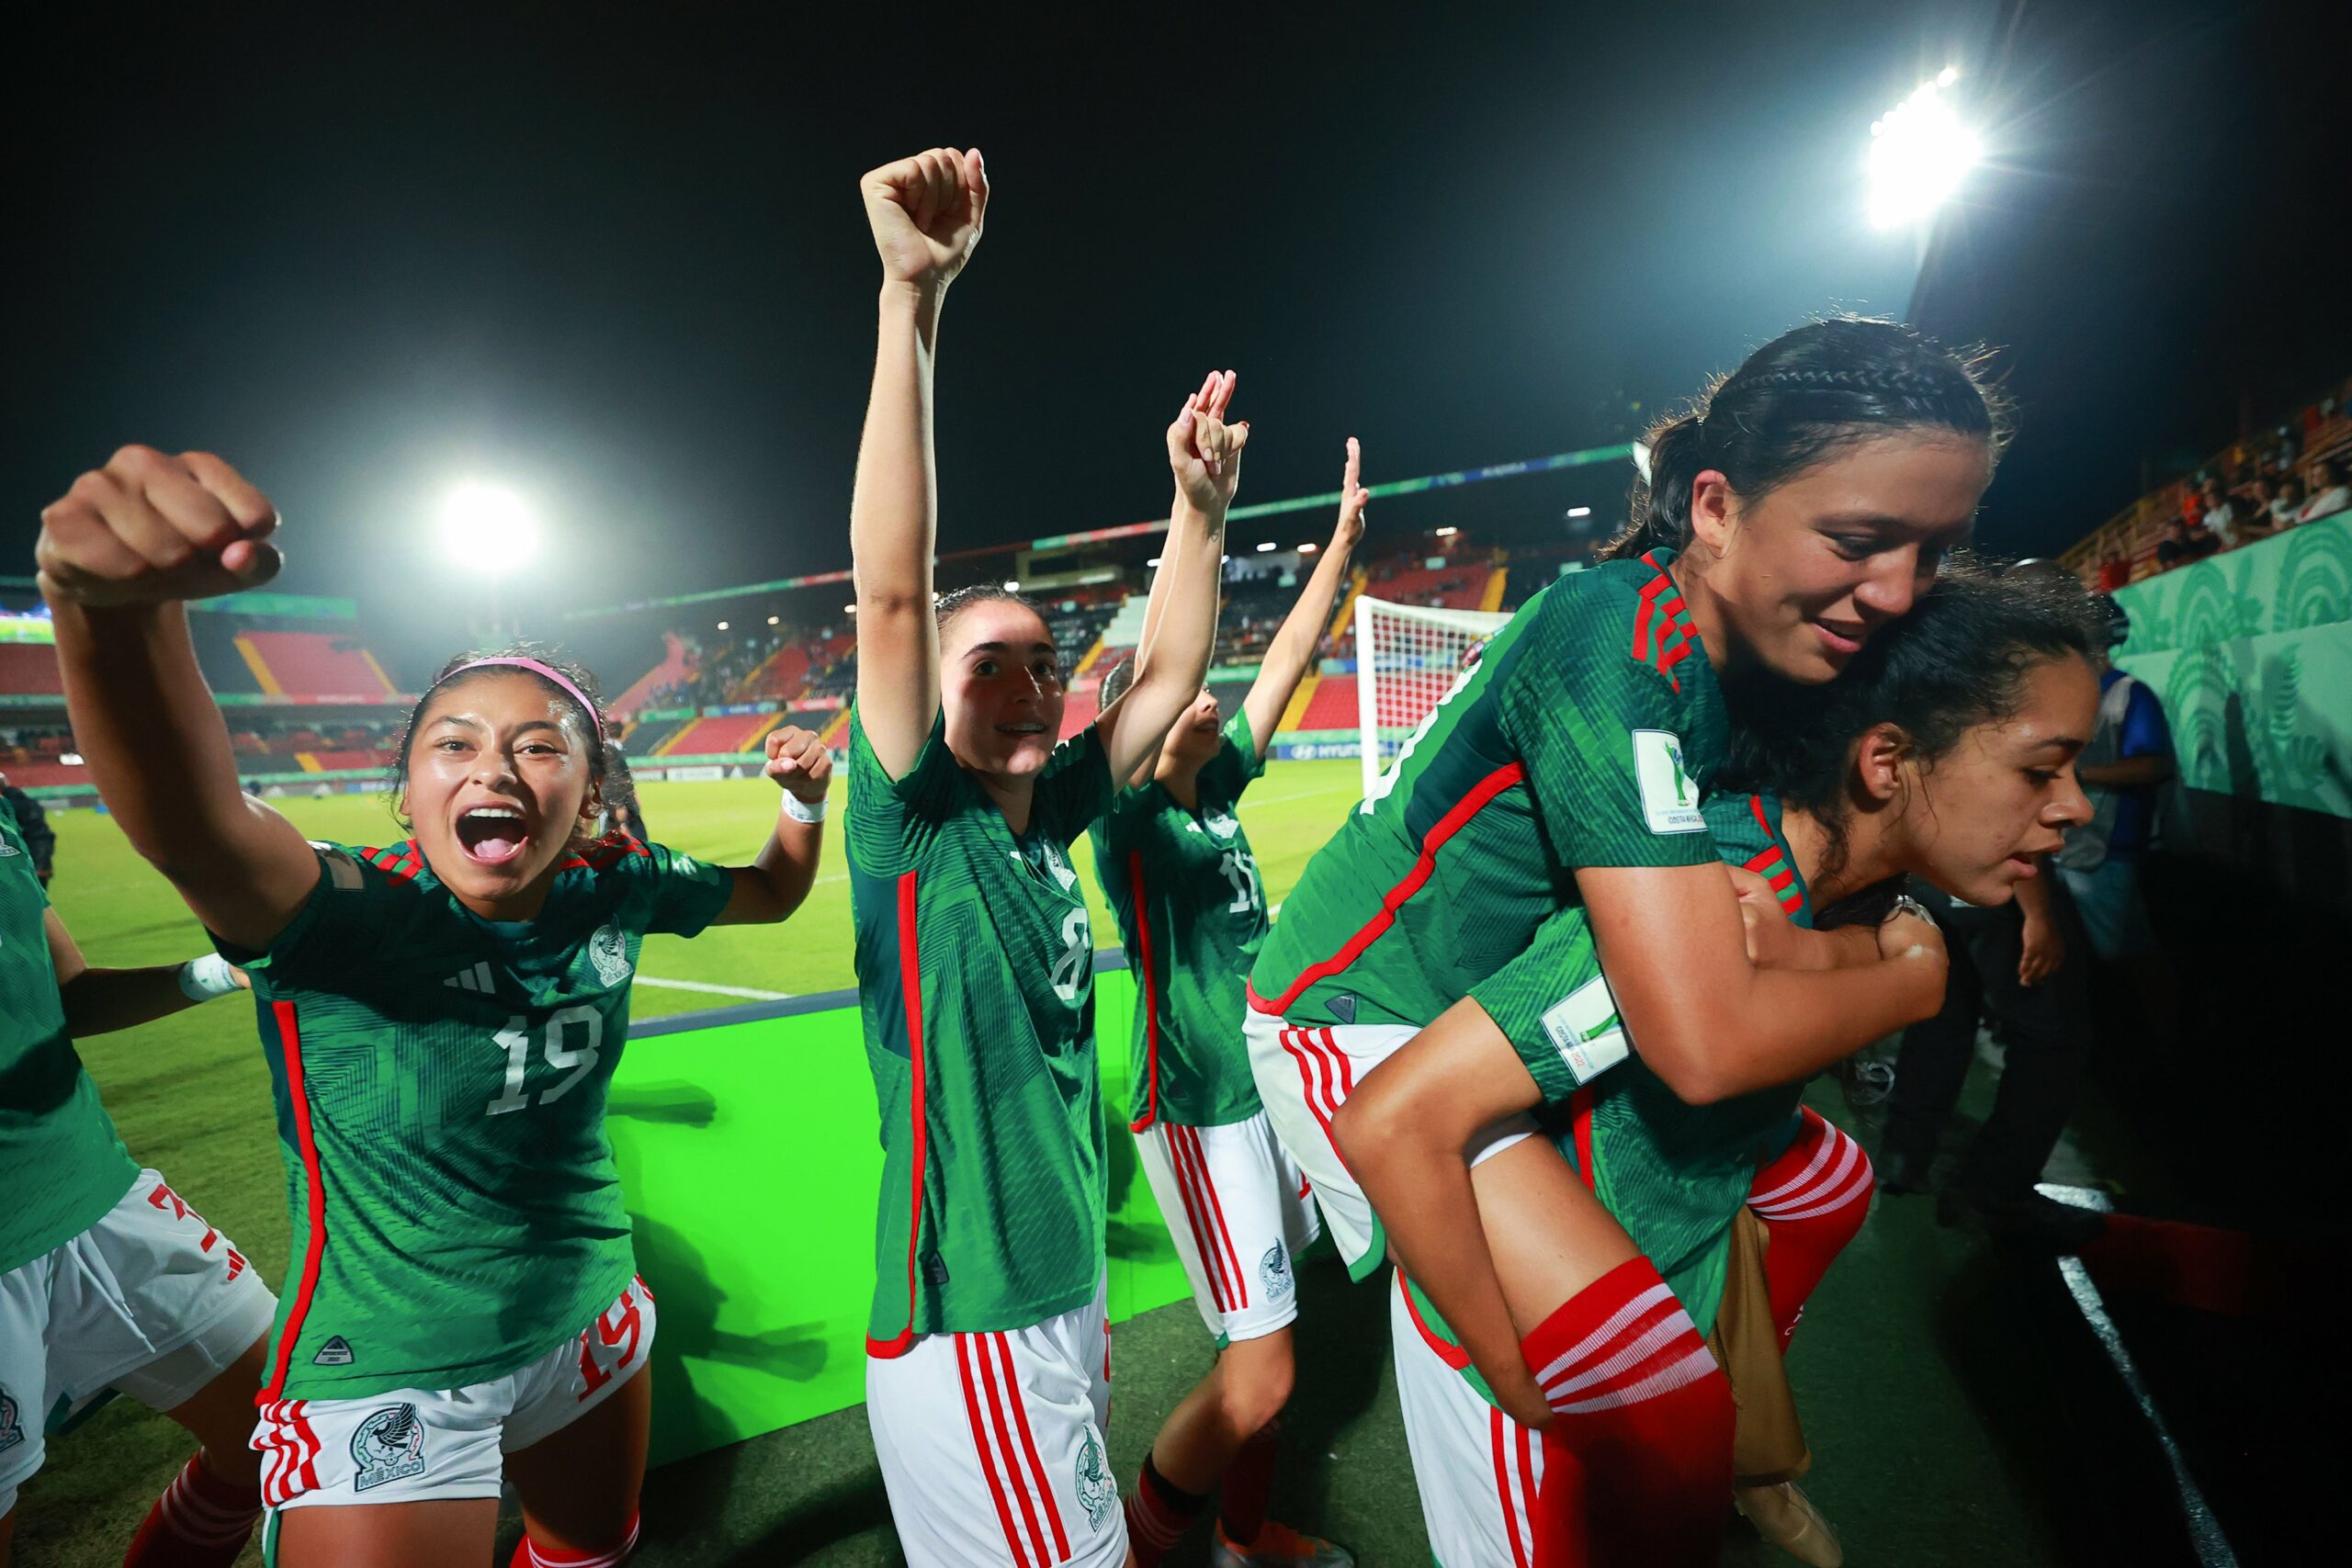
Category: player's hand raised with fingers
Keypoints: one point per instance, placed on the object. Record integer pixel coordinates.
(798, 762)
(1203, 449)
(926, 213)
(150, 529)
(1353, 498)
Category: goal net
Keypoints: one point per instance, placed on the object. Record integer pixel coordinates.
(1406, 658)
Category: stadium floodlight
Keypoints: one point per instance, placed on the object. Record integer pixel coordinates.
(1448, 532)
(1919, 153)
(71, 759)
(1153, 562)
(1579, 510)
(1268, 545)
(775, 619)
(1010, 586)
(849, 609)
(488, 529)
(722, 626)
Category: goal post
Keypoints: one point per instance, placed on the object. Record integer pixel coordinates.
(1407, 657)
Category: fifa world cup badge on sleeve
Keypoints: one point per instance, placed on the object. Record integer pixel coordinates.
(389, 1445)
(1670, 800)
(1585, 1029)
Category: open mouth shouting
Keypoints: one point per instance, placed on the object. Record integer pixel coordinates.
(492, 835)
(1021, 727)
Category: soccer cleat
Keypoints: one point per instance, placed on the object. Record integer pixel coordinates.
(1278, 1546)
(1784, 1516)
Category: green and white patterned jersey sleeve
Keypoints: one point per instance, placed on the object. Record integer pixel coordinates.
(674, 893)
(355, 905)
(1556, 1006)
(1603, 738)
(892, 822)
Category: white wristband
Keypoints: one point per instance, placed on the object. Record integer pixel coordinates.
(800, 810)
(202, 979)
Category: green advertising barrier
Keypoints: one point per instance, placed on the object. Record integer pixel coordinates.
(2251, 654)
(751, 1157)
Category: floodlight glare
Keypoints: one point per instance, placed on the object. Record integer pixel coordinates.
(1309, 547)
(488, 529)
(1919, 153)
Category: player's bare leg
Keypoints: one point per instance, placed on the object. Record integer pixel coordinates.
(579, 1486)
(388, 1535)
(1222, 1435)
(7, 1534)
(208, 1511)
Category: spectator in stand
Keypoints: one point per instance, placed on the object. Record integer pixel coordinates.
(2286, 506)
(2129, 758)
(2222, 514)
(2257, 512)
(2184, 541)
(2332, 494)
(40, 839)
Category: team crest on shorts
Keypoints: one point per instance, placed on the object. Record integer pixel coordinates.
(1275, 1269)
(1097, 1493)
(608, 951)
(389, 1445)
(12, 1431)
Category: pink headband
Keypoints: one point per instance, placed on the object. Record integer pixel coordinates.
(535, 668)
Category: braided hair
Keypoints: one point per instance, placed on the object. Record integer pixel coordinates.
(1796, 401)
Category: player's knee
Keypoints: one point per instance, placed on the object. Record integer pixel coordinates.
(1252, 1393)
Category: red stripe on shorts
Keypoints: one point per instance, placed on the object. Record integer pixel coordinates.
(981, 1448)
(1029, 1445)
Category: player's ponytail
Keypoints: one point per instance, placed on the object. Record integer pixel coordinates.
(1797, 401)
(1959, 659)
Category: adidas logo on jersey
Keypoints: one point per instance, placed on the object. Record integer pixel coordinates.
(477, 978)
(335, 1352)
(1343, 1007)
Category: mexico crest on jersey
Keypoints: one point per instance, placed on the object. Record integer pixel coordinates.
(1275, 1269)
(389, 1445)
(12, 1431)
(1097, 1493)
(608, 951)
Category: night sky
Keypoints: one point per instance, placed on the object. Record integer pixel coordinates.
(615, 257)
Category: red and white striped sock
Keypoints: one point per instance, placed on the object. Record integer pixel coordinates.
(1159, 1513)
(200, 1521)
(529, 1553)
(1811, 1201)
(1639, 1451)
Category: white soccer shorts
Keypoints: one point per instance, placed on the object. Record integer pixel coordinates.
(993, 1449)
(1239, 1210)
(150, 1301)
(1304, 1076)
(1476, 1468)
(414, 1444)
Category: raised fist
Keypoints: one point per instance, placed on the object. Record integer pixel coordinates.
(150, 529)
(1204, 451)
(798, 762)
(926, 213)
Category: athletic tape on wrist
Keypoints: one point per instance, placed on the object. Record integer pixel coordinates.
(203, 978)
(800, 810)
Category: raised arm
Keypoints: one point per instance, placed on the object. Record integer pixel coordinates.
(1206, 453)
(117, 556)
(779, 879)
(925, 212)
(1291, 653)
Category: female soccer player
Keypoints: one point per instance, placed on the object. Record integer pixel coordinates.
(1946, 752)
(1177, 874)
(987, 1375)
(107, 1278)
(441, 1019)
(1802, 506)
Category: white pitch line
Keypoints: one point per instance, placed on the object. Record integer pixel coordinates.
(746, 992)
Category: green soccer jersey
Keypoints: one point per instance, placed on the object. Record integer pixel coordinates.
(1584, 735)
(60, 1161)
(440, 1087)
(1675, 1175)
(1191, 911)
(975, 980)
